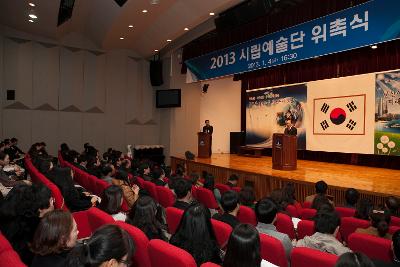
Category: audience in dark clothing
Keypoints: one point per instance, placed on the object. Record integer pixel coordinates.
(230, 206)
(182, 188)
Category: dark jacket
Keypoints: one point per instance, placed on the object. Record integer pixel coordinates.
(51, 260)
(227, 218)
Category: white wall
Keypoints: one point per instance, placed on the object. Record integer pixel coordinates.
(75, 95)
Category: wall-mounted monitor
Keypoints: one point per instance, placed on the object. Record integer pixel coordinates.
(170, 98)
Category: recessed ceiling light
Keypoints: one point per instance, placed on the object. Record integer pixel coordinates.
(169, 40)
(155, 50)
(130, 26)
(32, 4)
(374, 46)
(32, 16)
(212, 13)
(121, 38)
(186, 29)
(144, 10)
(31, 20)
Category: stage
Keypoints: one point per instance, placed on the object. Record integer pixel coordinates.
(374, 183)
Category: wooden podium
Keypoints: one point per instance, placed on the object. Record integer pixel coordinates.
(204, 145)
(284, 152)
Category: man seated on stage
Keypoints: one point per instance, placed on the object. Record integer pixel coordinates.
(208, 128)
(320, 189)
(326, 227)
(266, 211)
(183, 192)
(230, 205)
(232, 180)
(290, 129)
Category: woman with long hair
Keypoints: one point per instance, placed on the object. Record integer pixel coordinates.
(111, 202)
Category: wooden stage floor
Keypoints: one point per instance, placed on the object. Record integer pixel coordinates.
(377, 181)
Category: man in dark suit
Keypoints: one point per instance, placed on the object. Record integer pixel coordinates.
(290, 129)
(208, 128)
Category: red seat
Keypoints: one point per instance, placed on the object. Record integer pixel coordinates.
(236, 188)
(285, 225)
(207, 198)
(139, 181)
(210, 264)
(374, 247)
(393, 229)
(394, 221)
(173, 216)
(162, 253)
(307, 213)
(223, 188)
(345, 212)
(247, 215)
(305, 228)
(151, 188)
(307, 205)
(272, 250)
(292, 210)
(165, 196)
(141, 256)
(194, 191)
(306, 257)
(349, 225)
(222, 232)
(8, 257)
(125, 206)
(89, 220)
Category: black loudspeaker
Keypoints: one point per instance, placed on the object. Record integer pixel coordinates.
(121, 2)
(237, 139)
(156, 76)
(10, 94)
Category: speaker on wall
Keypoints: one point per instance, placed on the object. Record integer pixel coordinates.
(10, 94)
(156, 76)
(237, 139)
(121, 2)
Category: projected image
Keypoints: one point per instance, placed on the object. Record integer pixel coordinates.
(267, 111)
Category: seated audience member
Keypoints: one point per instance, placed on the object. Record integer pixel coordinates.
(379, 225)
(288, 195)
(196, 235)
(20, 213)
(247, 197)
(73, 157)
(183, 192)
(82, 161)
(158, 177)
(326, 227)
(54, 237)
(9, 180)
(351, 197)
(144, 215)
(356, 259)
(266, 212)
(392, 205)
(322, 202)
(111, 202)
(130, 191)
(320, 189)
(180, 170)
(232, 180)
(209, 184)
(145, 172)
(108, 171)
(15, 151)
(93, 167)
(277, 197)
(230, 206)
(396, 253)
(64, 149)
(126, 166)
(243, 249)
(108, 246)
(363, 209)
(195, 179)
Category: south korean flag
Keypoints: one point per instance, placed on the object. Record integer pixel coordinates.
(340, 115)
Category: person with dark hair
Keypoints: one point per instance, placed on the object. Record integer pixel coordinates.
(145, 172)
(321, 201)
(130, 191)
(324, 239)
(93, 166)
(209, 184)
(82, 161)
(247, 197)
(290, 129)
(195, 234)
(144, 215)
(363, 209)
(230, 206)
(180, 170)
(207, 128)
(195, 179)
(379, 225)
(321, 188)
(20, 213)
(232, 180)
(108, 246)
(183, 192)
(243, 249)
(354, 259)
(158, 177)
(111, 202)
(107, 171)
(14, 151)
(351, 197)
(288, 195)
(392, 205)
(54, 237)
(277, 197)
(6, 180)
(266, 212)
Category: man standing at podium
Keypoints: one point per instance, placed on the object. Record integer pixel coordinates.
(290, 129)
(208, 128)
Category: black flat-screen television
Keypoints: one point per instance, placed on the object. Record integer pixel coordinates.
(170, 98)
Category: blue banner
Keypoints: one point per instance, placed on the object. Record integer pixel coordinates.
(370, 23)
